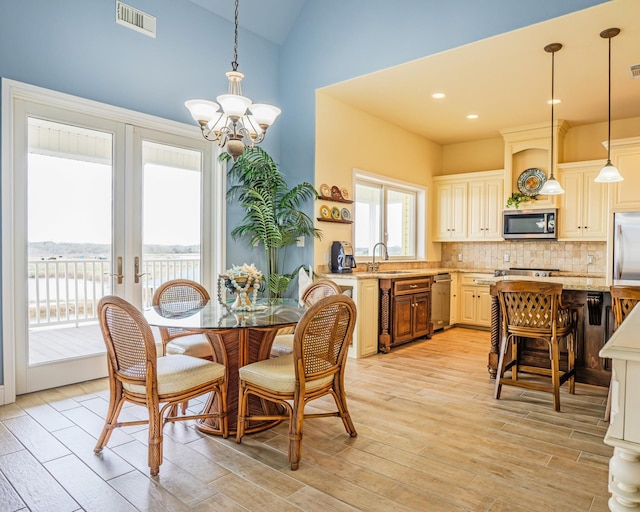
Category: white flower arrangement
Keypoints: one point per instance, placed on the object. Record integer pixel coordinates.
(240, 280)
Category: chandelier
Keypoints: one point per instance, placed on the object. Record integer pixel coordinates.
(609, 173)
(235, 123)
(552, 187)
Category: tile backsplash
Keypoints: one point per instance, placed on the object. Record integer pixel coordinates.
(579, 257)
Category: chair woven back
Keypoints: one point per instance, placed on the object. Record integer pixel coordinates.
(179, 296)
(131, 348)
(323, 335)
(531, 305)
(623, 300)
(319, 290)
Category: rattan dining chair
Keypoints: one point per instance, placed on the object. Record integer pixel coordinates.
(314, 369)
(534, 310)
(138, 376)
(283, 342)
(623, 300)
(179, 296)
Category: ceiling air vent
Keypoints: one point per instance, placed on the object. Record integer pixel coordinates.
(135, 19)
(635, 71)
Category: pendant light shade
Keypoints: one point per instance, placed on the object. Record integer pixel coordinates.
(552, 187)
(609, 173)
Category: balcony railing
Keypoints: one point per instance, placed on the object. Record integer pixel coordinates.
(66, 291)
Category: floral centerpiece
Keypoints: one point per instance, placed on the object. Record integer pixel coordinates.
(240, 280)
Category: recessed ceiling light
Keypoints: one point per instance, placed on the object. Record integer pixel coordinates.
(472, 116)
(554, 102)
(438, 95)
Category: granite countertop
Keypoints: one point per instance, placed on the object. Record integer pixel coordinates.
(570, 281)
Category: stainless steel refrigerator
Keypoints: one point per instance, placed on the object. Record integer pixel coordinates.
(626, 247)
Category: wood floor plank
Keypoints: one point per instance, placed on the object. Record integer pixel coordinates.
(87, 488)
(43, 445)
(145, 494)
(35, 486)
(106, 463)
(9, 499)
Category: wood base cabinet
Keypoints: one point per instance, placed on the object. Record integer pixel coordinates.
(405, 311)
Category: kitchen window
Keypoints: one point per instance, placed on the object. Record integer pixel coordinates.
(386, 212)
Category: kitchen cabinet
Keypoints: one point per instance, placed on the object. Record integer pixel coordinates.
(453, 298)
(484, 210)
(405, 311)
(625, 155)
(451, 210)
(475, 301)
(365, 294)
(584, 206)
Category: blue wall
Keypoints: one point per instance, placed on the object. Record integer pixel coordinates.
(75, 46)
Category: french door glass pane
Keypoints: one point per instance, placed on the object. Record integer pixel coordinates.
(171, 226)
(69, 233)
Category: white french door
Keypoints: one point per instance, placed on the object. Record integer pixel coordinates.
(97, 206)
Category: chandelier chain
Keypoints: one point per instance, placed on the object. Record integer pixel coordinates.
(234, 63)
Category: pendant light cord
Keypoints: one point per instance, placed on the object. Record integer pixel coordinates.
(553, 100)
(609, 114)
(234, 64)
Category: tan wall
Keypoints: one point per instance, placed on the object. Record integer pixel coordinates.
(481, 155)
(347, 138)
(580, 143)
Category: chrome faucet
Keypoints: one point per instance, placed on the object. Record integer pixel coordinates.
(373, 267)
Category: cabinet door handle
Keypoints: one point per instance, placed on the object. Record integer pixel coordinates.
(413, 286)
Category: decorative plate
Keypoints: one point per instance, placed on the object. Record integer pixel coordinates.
(335, 213)
(530, 181)
(325, 212)
(325, 190)
(346, 214)
(335, 193)
(345, 193)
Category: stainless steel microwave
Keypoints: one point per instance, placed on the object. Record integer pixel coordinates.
(530, 224)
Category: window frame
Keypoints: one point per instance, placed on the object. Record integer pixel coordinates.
(420, 210)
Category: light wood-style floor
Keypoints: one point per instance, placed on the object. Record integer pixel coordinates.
(430, 438)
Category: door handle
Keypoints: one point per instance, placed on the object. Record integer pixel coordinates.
(136, 270)
(118, 275)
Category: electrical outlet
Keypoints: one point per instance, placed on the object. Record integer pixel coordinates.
(506, 257)
(590, 259)
(459, 257)
(300, 241)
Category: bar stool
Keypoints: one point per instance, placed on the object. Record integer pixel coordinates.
(534, 310)
(623, 300)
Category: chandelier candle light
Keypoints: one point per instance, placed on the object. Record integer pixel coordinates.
(234, 122)
(609, 173)
(552, 187)
(241, 281)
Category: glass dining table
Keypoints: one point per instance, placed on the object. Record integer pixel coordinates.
(237, 338)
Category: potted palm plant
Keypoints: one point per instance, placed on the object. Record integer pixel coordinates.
(273, 217)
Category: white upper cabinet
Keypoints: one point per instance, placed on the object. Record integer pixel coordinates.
(451, 210)
(625, 155)
(484, 211)
(584, 206)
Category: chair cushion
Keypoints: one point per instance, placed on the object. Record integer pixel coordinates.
(282, 345)
(277, 374)
(194, 345)
(178, 373)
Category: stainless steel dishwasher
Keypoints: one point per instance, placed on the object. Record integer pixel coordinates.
(440, 301)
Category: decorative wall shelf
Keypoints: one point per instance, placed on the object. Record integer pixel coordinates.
(329, 198)
(339, 221)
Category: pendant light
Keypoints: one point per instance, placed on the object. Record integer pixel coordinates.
(551, 187)
(609, 173)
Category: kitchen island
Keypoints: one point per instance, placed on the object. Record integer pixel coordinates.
(591, 299)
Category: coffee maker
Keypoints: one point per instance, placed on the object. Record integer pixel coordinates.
(342, 260)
